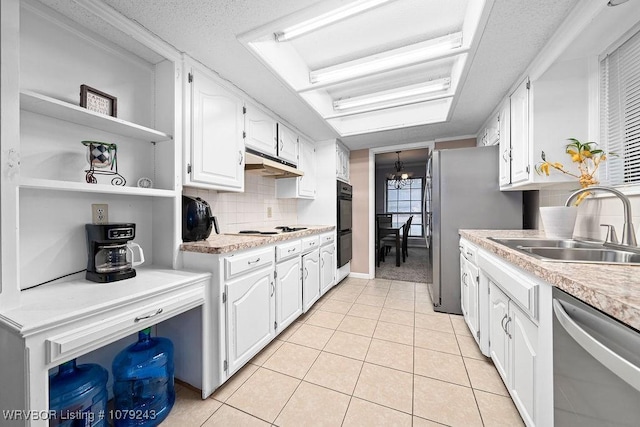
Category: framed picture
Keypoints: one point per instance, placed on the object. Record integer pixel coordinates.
(100, 102)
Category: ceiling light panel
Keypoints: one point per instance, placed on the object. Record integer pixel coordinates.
(405, 76)
(395, 97)
(328, 18)
(388, 27)
(397, 58)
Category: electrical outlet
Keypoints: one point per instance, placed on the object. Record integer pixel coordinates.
(99, 213)
(269, 212)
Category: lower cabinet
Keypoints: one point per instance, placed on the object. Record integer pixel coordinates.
(513, 343)
(250, 316)
(288, 292)
(310, 279)
(327, 267)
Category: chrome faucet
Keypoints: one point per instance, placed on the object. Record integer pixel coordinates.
(628, 230)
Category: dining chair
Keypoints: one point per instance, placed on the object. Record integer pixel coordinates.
(405, 238)
(380, 248)
(384, 220)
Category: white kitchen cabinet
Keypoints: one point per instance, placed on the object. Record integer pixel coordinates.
(327, 267)
(504, 143)
(216, 129)
(543, 113)
(287, 144)
(470, 280)
(250, 316)
(261, 131)
(514, 336)
(498, 338)
(303, 187)
(288, 292)
(519, 120)
(342, 162)
(310, 279)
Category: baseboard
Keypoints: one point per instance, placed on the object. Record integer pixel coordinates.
(366, 276)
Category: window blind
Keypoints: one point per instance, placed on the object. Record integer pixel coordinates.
(620, 111)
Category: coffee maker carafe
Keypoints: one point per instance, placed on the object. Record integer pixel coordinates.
(111, 252)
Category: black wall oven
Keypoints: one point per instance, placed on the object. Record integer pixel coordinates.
(344, 223)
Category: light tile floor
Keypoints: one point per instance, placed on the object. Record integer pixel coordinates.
(369, 353)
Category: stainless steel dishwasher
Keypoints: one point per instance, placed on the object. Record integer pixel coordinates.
(596, 367)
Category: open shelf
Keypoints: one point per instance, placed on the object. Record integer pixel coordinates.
(82, 187)
(42, 104)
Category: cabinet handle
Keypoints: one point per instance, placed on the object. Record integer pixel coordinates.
(464, 278)
(469, 254)
(504, 156)
(148, 316)
(253, 262)
(312, 243)
(273, 289)
(306, 273)
(506, 327)
(281, 144)
(322, 263)
(291, 250)
(241, 157)
(502, 323)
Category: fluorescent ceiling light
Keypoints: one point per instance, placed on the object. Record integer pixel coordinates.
(327, 19)
(402, 57)
(413, 93)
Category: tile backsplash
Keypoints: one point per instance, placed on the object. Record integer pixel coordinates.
(249, 210)
(594, 211)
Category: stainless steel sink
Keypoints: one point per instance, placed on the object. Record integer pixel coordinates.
(569, 250)
(546, 243)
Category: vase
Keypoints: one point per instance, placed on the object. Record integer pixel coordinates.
(559, 221)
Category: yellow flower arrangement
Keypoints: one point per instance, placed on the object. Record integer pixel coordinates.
(588, 159)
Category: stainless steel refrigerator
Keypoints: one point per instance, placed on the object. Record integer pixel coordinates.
(462, 192)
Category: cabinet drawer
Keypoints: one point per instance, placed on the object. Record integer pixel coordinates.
(101, 331)
(288, 249)
(327, 238)
(469, 251)
(516, 284)
(242, 263)
(310, 243)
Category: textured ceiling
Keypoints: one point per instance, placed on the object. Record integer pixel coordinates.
(208, 30)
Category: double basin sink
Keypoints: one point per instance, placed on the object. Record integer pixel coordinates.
(570, 250)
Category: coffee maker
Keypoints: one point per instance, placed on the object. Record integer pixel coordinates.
(111, 252)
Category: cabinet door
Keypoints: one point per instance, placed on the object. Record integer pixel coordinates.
(464, 287)
(250, 316)
(327, 267)
(498, 339)
(217, 147)
(524, 349)
(473, 279)
(287, 144)
(307, 164)
(504, 141)
(310, 279)
(261, 131)
(288, 292)
(519, 120)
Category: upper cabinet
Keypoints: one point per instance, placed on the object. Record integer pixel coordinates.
(261, 132)
(287, 144)
(303, 187)
(519, 120)
(215, 152)
(342, 162)
(542, 114)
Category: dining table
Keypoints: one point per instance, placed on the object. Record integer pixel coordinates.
(387, 230)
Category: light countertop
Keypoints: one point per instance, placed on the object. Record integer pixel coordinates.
(613, 289)
(224, 243)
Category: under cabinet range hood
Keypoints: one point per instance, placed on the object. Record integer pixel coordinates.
(269, 166)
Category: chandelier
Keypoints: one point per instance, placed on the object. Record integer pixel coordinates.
(398, 179)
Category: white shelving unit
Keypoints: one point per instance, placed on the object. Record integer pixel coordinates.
(45, 105)
(81, 187)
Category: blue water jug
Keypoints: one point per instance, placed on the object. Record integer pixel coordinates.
(143, 389)
(78, 395)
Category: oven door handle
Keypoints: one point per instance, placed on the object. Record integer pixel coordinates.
(617, 364)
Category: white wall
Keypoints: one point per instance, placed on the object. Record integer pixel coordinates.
(593, 212)
(248, 210)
